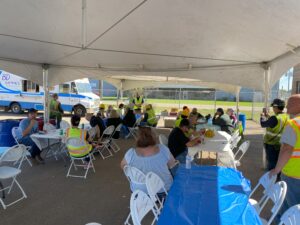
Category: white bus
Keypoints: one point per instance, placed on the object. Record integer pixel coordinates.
(18, 94)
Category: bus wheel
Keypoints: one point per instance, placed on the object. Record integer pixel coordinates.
(16, 108)
(79, 110)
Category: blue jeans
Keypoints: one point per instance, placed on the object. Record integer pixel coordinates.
(292, 195)
(34, 151)
(181, 157)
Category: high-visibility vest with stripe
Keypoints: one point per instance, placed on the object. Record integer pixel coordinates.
(273, 135)
(292, 168)
(138, 102)
(81, 150)
(151, 117)
(177, 122)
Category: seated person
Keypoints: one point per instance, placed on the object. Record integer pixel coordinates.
(101, 112)
(129, 118)
(183, 115)
(56, 110)
(121, 110)
(149, 116)
(97, 122)
(138, 102)
(223, 120)
(27, 127)
(108, 111)
(75, 132)
(232, 116)
(196, 113)
(178, 142)
(148, 156)
(114, 120)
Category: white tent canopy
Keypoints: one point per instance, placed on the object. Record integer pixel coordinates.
(222, 44)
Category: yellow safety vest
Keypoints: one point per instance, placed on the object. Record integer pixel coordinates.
(292, 168)
(151, 117)
(177, 122)
(78, 151)
(137, 102)
(273, 135)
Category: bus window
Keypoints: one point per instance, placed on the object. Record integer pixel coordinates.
(29, 86)
(64, 88)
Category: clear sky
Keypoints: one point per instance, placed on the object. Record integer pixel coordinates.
(286, 79)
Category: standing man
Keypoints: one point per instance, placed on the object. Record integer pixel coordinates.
(274, 127)
(55, 110)
(138, 101)
(27, 127)
(289, 158)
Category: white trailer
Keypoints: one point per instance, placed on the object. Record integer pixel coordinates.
(18, 94)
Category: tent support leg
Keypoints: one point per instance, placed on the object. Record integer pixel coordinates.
(46, 93)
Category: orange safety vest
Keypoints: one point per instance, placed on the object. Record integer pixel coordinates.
(292, 168)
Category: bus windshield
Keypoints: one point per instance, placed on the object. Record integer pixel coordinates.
(83, 87)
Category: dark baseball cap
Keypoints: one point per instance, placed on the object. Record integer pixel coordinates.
(278, 103)
(32, 110)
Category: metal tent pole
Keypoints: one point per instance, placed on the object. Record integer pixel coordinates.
(46, 93)
(215, 103)
(83, 25)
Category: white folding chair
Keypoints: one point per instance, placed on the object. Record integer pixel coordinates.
(277, 196)
(154, 186)
(106, 142)
(12, 155)
(241, 152)
(140, 206)
(234, 141)
(136, 178)
(76, 142)
(114, 144)
(266, 183)
(163, 139)
(133, 132)
(26, 152)
(291, 216)
(64, 124)
(138, 122)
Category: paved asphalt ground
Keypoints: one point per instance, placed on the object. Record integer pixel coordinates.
(103, 197)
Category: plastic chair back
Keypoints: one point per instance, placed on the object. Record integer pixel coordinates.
(64, 124)
(154, 186)
(291, 216)
(134, 175)
(13, 154)
(14, 132)
(242, 150)
(266, 182)
(140, 206)
(163, 139)
(277, 196)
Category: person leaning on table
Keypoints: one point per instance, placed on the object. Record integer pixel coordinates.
(27, 127)
(178, 142)
(289, 157)
(223, 120)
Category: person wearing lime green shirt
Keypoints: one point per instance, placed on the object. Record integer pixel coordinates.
(55, 110)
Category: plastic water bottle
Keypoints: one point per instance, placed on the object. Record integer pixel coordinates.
(188, 162)
(209, 122)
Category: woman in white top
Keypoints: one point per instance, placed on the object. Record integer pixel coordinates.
(148, 156)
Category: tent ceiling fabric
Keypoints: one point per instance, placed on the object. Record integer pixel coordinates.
(211, 41)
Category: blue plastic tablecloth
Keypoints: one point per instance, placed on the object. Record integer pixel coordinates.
(208, 196)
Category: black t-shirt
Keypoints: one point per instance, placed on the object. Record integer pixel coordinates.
(96, 120)
(177, 141)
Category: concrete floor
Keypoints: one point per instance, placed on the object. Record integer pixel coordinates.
(103, 197)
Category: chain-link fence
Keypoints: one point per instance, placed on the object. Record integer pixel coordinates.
(206, 101)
